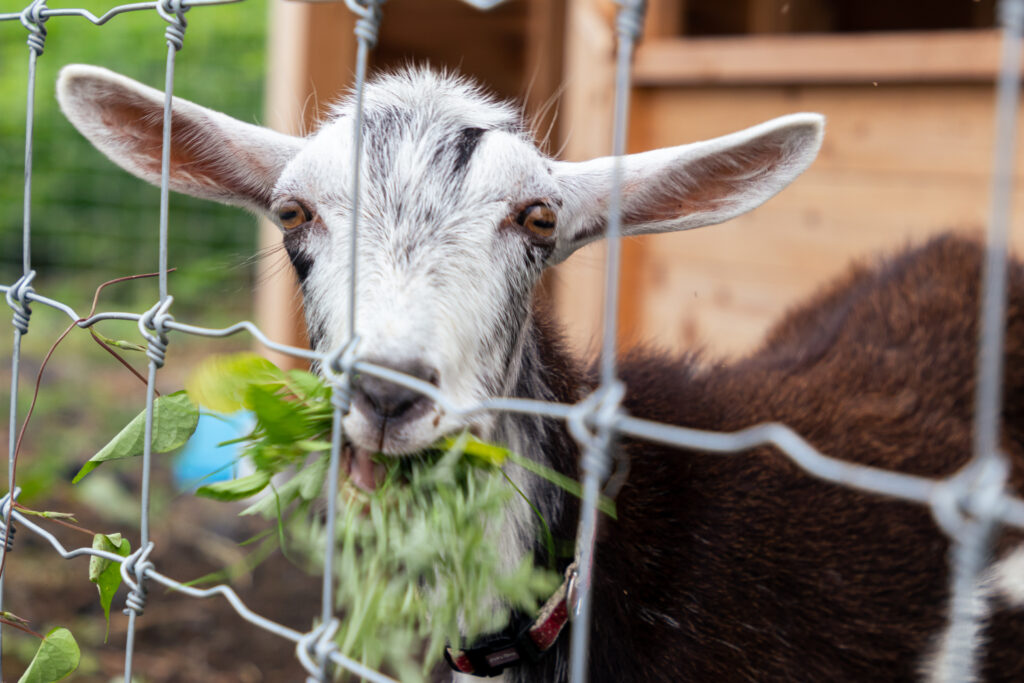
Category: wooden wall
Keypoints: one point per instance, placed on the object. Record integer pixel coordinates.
(907, 154)
(900, 163)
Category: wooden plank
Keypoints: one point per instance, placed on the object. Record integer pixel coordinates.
(895, 169)
(844, 58)
(311, 58)
(587, 127)
(542, 68)
(919, 129)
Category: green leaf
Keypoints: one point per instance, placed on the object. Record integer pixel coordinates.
(221, 383)
(486, 453)
(280, 418)
(106, 574)
(313, 445)
(311, 478)
(174, 420)
(236, 489)
(308, 386)
(56, 658)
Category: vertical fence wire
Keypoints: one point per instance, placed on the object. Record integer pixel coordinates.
(977, 488)
(597, 446)
(151, 326)
(367, 25)
(992, 327)
(32, 20)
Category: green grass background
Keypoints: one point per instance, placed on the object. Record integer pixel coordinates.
(90, 220)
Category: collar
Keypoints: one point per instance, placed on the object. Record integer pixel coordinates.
(496, 653)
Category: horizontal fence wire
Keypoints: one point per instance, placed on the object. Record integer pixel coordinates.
(977, 498)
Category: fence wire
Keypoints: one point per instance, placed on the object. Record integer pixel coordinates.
(969, 505)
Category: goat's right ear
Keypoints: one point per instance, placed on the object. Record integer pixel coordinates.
(213, 156)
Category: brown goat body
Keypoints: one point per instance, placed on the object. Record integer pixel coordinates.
(742, 567)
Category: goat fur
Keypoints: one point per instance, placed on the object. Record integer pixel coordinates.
(744, 568)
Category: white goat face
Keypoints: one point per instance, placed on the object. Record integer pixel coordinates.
(452, 236)
(459, 215)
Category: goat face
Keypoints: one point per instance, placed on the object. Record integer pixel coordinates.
(459, 215)
(456, 223)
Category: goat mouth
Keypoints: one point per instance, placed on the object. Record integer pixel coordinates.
(361, 468)
(367, 468)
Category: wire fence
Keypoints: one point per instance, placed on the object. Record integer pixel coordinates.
(968, 505)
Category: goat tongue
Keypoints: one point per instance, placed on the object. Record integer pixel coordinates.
(362, 470)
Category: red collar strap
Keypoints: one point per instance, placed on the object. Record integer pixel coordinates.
(501, 652)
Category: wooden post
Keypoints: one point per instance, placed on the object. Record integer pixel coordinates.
(587, 132)
(542, 68)
(311, 60)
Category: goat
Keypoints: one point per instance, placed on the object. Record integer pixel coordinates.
(735, 567)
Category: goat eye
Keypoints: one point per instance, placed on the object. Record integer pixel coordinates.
(538, 219)
(293, 215)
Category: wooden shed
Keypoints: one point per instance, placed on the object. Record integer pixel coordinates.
(907, 88)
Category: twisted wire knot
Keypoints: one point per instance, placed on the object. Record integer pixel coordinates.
(629, 21)
(315, 648)
(368, 24)
(32, 18)
(975, 494)
(155, 321)
(173, 12)
(7, 531)
(339, 368)
(18, 299)
(592, 421)
(133, 573)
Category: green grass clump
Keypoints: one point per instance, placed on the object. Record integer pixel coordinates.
(417, 559)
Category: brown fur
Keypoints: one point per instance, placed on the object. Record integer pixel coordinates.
(743, 568)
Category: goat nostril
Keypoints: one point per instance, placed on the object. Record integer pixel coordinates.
(391, 401)
(388, 399)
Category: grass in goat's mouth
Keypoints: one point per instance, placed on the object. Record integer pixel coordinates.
(418, 561)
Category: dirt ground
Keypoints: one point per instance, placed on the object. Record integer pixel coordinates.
(179, 638)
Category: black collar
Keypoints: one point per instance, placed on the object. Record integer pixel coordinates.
(522, 640)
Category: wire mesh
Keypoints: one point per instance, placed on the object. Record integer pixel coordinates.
(969, 505)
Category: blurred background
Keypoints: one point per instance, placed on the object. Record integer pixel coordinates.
(907, 88)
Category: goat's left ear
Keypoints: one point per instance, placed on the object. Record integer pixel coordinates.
(679, 188)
